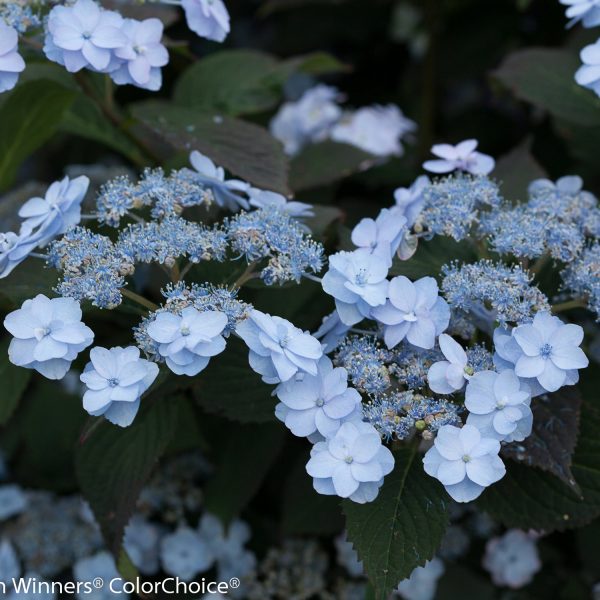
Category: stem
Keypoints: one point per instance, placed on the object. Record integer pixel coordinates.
(175, 274)
(186, 269)
(570, 304)
(539, 264)
(247, 275)
(139, 299)
(312, 277)
(38, 255)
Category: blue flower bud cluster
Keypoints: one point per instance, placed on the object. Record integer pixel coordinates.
(582, 277)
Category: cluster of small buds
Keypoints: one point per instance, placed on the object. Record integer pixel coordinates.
(92, 266)
(272, 235)
(410, 365)
(503, 293)
(452, 204)
(21, 15)
(399, 415)
(165, 241)
(582, 277)
(557, 219)
(366, 362)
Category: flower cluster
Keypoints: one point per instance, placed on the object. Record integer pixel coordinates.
(317, 116)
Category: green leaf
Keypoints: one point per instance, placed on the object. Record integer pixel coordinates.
(86, 120)
(241, 468)
(126, 568)
(552, 442)
(14, 381)
(529, 498)
(29, 118)
(28, 280)
(245, 149)
(229, 388)
(402, 528)
(544, 77)
(304, 512)
(431, 256)
(325, 163)
(114, 463)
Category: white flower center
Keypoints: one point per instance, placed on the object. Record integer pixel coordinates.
(349, 460)
(410, 317)
(319, 402)
(41, 332)
(500, 404)
(185, 330)
(466, 458)
(113, 382)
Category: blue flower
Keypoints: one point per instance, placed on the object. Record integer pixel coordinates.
(351, 464)
(227, 193)
(9, 563)
(208, 18)
(381, 236)
(588, 75)
(461, 157)
(12, 502)
(357, 281)
(84, 35)
(102, 565)
(278, 350)
(414, 311)
(48, 335)
(464, 461)
(499, 406)
(116, 380)
(318, 403)
(421, 584)
(143, 54)
(14, 249)
(262, 198)
(411, 200)
(586, 11)
(187, 341)
(57, 211)
(184, 554)
(331, 331)
(11, 62)
(448, 376)
(142, 544)
(549, 350)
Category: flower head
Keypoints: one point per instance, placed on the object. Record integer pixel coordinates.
(48, 335)
(184, 554)
(549, 350)
(351, 464)
(14, 249)
(357, 281)
(422, 582)
(318, 403)
(411, 199)
(499, 405)
(278, 350)
(11, 62)
(143, 55)
(588, 75)
(464, 461)
(331, 331)
(448, 376)
(413, 311)
(116, 380)
(188, 340)
(262, 198)
(208, 18)
(381, 236)
(462, 157)
(585, 11)
(84, 35)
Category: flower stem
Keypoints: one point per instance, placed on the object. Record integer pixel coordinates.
(139, 299)
(247, 275)
(570, 304)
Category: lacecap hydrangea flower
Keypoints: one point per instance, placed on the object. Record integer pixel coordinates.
(14, 249)
(464, 461)
(381, 236)
(278, 349)
(413, 311)
(450, 375)
(11, 62)
(585, 11)
(422, 582)
(184, 554)
(263, 198)
(208, 18)
(142, 544)
(115, 381)
(332, 331)
(512, 560)
(187, 341)
(351, 464)
(498, 404)
(588, 75)
(462, 157)
(357, 281)
(411, 199)
(100, 565)
(48, 335)
(550, 351)
(318, 404)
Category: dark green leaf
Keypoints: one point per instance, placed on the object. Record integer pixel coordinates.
(29, 118)
(114, 463)
(552, 442)
(29, 279)
(544, 77)
(228, 387)
(402, 528)
(327, 162)
(304, 512)
(247, 455)
(14, 381)
(245, 149)
(529, 498)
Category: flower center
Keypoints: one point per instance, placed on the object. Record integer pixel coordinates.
(41, 332)
(361, 277)
(113, 382)
(139, 50)
(185, 330)
(86, 35)
(284, 341)
(410, 317)
(349, 460)
(546, 351)
(502, 403)
(466, 458)
(319, 402)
